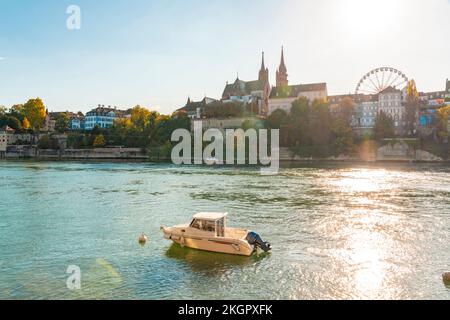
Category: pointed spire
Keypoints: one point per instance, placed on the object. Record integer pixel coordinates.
(282, 64)
(189, 100)
(264, 72)
(263, 66)
(282, 76)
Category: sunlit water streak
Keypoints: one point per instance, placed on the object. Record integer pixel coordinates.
(348, 232)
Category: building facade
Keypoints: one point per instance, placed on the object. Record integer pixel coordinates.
(195, 109)
(49, 122)
(366, 112)
(77, 121)
(3, 141)
(250, 91)
(102, 117)
(283, 97)
(390, 102)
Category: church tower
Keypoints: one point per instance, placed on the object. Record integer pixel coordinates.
(264, 72)
(282, 76)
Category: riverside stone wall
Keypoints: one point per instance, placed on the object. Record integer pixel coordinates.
(32, 152)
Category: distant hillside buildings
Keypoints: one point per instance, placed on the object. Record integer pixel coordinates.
(104, 117)
(269, 99)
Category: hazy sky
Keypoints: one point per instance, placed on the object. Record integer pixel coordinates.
(156, 53)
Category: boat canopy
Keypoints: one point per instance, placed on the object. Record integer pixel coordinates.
(210, 215)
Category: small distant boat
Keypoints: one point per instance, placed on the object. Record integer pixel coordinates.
(208, 231)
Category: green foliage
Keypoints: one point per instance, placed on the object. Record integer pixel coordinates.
(62, 123)
(384, 126)
(252, 124)
(99, 141)
(17, 112)
(278, 119)
(34, 111)
(145, 129)
(320, 123)
(10, 121)
(411, 108)
(311, 130)
(75, 141)
(219, 109)
(442, 123)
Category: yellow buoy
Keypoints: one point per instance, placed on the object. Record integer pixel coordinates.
(143, 239)
(446, 278)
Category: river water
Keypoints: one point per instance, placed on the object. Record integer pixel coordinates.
(346, 232)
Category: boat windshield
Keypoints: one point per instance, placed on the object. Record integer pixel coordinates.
(204, 225)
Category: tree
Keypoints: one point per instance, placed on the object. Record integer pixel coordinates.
(99, 141)
(219, 109)
(34, 111)
(62, 123)
(17, 112)
(10, 121)
(2, 110)
(411, 108)
(140, 117)
(278, 119)
(75, 140)
(299, 122)
(251, 124)
(320, 123)
(26, 124)
(342, 126)
(384, 126)
(442, 124)
(346, 110)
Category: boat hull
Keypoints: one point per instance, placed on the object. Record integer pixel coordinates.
(212, 244)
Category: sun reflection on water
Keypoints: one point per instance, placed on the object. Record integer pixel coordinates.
(364, 246)
(364, 180)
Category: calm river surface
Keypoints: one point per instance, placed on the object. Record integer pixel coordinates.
(350, 232)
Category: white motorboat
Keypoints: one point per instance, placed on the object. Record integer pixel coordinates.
(208, 231)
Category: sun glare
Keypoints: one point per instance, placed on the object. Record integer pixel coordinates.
(367, 18)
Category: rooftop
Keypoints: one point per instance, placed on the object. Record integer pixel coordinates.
(296, 90)
(7, 129)
(242, 88)
(106, 110)
(390, 90)
(210, 215)
(191, 106)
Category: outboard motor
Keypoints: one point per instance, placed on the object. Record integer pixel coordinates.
(254, 239)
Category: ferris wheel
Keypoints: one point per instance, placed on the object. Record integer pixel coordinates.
(379, 79)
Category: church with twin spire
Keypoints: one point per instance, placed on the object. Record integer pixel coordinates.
(271, 98)
(268, 98)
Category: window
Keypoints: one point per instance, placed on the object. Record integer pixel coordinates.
(204, 225)
(197, 224)
(221, 228)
